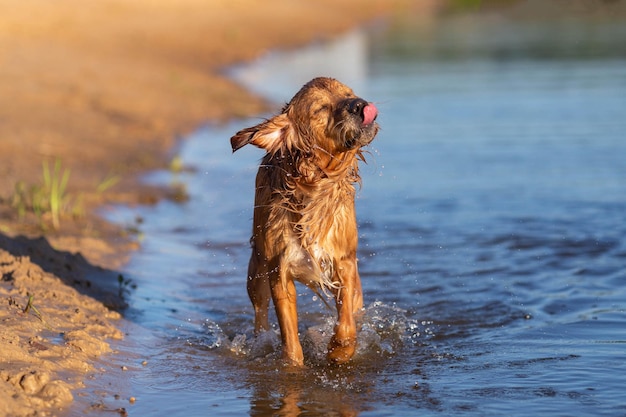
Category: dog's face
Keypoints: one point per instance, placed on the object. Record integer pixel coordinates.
(324, 115)
(337, 119)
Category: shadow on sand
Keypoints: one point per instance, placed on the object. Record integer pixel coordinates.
(106, 286)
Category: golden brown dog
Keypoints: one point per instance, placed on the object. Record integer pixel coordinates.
(304, 225)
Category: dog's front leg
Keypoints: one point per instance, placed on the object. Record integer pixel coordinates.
(285, 297)
(343, 343)
(357, 303)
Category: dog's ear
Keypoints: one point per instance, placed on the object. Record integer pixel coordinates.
(270, 135)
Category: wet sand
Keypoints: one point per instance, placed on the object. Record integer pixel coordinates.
(108, 90)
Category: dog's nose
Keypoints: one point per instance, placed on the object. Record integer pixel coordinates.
(356, 106)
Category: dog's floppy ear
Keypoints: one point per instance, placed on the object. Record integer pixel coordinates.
(270, 135)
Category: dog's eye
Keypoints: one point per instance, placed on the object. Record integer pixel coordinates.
(320, 109)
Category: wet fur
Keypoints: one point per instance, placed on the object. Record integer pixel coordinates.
(304, 226)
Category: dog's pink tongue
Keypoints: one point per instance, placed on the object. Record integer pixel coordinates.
(369, 114)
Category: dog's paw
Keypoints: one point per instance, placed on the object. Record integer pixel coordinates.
(292, 362)
(340, 351)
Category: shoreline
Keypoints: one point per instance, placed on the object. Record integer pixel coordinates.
(109, 92)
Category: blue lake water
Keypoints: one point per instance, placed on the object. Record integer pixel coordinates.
(492, 237)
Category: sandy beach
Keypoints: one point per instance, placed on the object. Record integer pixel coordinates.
(93, 97)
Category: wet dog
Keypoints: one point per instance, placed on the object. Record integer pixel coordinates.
(304, 226)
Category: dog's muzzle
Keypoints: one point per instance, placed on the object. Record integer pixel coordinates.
(366, 111)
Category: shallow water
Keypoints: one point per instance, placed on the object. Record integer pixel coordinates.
(492, 240)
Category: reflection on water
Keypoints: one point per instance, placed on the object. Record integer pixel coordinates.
(492, 243)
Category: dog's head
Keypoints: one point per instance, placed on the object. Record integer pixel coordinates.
(324, 115)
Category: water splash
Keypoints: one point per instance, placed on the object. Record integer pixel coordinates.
(384, 330)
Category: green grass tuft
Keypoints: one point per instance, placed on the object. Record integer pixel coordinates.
(47, 199)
